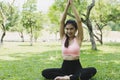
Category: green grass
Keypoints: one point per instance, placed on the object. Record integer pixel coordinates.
(19, 61)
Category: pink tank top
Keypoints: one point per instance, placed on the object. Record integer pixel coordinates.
(73, 49)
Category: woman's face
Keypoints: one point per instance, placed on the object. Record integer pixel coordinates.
(70, 30)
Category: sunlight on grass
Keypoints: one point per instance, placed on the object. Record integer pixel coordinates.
(53, 58)
(19, 61)
(8, 58)
(114, 61)
(17, 50)
(110, 48)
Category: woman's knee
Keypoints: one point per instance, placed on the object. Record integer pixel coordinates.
(94, 70)
(45, 73)
(89, 70)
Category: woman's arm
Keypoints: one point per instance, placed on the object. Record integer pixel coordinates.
(62, 21)
(79, 23)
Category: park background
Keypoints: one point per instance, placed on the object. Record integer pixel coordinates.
(29, 37)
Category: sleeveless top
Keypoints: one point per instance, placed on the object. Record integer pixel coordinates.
(73, 49)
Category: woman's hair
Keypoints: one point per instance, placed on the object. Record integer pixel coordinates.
(74, 24)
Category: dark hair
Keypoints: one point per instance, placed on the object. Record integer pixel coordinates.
(72, 22)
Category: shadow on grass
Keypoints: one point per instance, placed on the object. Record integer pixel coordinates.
(112, 44)
(25, 45)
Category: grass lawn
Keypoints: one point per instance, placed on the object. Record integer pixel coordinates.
(19, 61)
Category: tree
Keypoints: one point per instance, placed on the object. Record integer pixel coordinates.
(99, 18)
(2, 21)
(88, 22)
(31, 19)
(105, 12)
(19, 27)
(39, 18)
(8, 17)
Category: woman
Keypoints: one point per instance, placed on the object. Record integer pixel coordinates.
(71, 68)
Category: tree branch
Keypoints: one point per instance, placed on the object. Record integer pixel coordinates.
(70, 15)
(89, 8)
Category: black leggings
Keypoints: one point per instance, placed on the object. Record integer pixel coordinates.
(73, 68)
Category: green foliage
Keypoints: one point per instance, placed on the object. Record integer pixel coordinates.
(57, 9)
(114, 26)
(12, 18)
(54, 16)
(28, 13)
(10, 13)
(115, 12)
(30, 6)
(106, 11)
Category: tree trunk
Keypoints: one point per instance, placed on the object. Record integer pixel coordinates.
(92, 41)
(22, 37)
(89, 25)
(3, 35)
(99, 39)
(31, 36)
